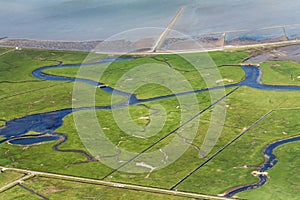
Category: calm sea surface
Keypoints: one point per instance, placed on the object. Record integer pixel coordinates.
(99, 19)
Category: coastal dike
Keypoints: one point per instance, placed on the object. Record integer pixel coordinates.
(222, 41)
(166, 32)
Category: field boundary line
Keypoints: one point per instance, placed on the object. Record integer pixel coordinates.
(172, 132)
(31, 191)
(223, 148)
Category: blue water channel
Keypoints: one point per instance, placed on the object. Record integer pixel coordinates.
(269, 163)
(45, 124)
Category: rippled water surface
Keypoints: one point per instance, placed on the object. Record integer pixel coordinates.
(99, 19)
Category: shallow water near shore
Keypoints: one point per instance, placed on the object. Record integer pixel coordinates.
(74, 20)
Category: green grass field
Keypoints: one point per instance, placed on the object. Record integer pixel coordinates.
(284, 179)
(8, 176)
(57, 189)
(18, 193)
(281, 73)
(203, 75)
(5, 49)
(22, 94)
(247, 151)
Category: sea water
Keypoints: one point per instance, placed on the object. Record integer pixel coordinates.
(74, 20)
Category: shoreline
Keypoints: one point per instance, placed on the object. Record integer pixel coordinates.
(90, 46)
